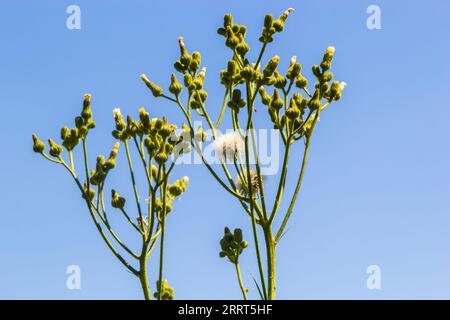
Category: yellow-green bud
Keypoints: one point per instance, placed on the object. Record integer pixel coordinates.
(161, 158)
(175, 87)
(195, 62)
(38, 145)
(111, 162)
(301, 82)
(91, 194)
(265, 97)
(276, 101)
(55, 149)
(279, 80)
(116, 200)
(156, 90)
(87, 112)
(65, 132)
(145, 118)
(269, 69)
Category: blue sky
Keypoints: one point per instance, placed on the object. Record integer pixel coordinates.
(376, 190)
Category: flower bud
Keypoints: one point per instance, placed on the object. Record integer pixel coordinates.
(65, 132)
(38, 145)
(316, 71)
(161, 158)
(55, 149)
(315, 102)
(87, 112)
(91, 193)
(116, 200)
(118, 117)
(265, 97)
(279, 80)
(268, 20)
(276, 101)
(175, 87)
(111, 162)
(301, 82)
(269, 69)
(156, 90)
(195, 62)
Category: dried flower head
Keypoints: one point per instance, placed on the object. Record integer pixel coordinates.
(228, 146)
(242, 186)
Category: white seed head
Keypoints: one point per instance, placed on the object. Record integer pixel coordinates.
(342, 85)
(229, 145)
(254, 181)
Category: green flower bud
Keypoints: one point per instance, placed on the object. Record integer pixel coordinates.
(279, 80)
(236, 102)
(65, 133)
(276, 101)
(79, 122)
(301, 82)
(327, 76)
(242, 48)
(188, 81)
(247, 73)
(265, 97)
(38, 145)
(294, 69)
(195, 62)
(269, 69)
(268, 20)
(316, 71)
(297, 99)
(175, 87)
(154, 172)
(167, 292)
(91, 193)
(292, 113)
(118, 118)
(156, 90)
(55, 149)
(161, 158)
(111, 162)
(315, 102)
(144, 117)
(87, 112)
(116, 200)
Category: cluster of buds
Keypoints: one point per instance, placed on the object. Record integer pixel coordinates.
(234, 35)
(187, 63)
(232, 245)
(174, 191)
(70, 137)
(159, 136)
(295, 109)
(271, 26)
(103, 166)
(167, 292)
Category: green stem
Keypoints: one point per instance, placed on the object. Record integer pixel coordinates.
(130, 165)
(163, 227)
(143, 277)
(271, 262)
(241, 284)
(222, 110)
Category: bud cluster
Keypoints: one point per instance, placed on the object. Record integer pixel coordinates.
(232, 245)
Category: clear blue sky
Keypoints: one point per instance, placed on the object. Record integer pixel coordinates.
(376, 189)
